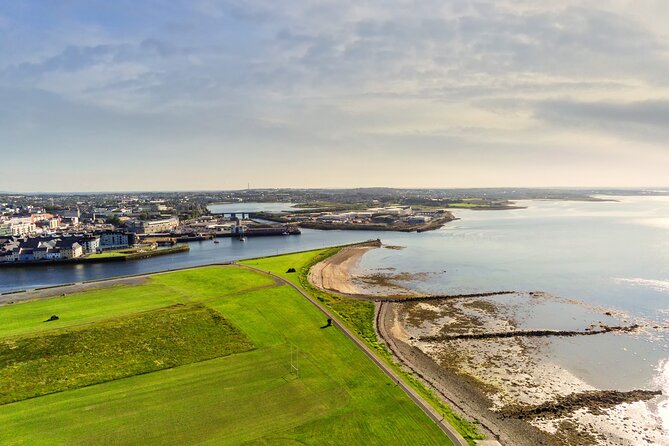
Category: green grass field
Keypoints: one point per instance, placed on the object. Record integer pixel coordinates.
(251, 397)
(107, 254)
(74, 357)
(358, 315)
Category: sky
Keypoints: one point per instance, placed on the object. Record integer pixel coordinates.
(211, 95)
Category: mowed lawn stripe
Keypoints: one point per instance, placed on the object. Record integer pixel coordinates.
(220, 400)
(378, 411)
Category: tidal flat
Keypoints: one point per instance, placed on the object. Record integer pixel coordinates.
(516, 374)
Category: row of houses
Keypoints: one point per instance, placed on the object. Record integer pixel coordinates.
(25, 225)
(61, 247)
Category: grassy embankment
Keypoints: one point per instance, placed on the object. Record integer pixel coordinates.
(359, 316)
(107, 254)
(138, 252)
(239, 396)
(123, 252)
(80, 356)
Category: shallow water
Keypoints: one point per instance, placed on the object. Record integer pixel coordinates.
(604, 254)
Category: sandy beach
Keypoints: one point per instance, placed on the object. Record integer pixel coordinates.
(338, 274)
(334, 273)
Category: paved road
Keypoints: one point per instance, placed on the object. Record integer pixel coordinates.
(449, 430)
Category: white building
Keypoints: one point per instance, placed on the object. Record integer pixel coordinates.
(54, 223)
(40, 253)
(115, 240)
(22, 226)
(153, 226)
(90, 244)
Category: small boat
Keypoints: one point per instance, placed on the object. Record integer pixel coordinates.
(216, 241)
(242, 239)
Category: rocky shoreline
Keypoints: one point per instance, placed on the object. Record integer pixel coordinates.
(463, 393)
(484, 364)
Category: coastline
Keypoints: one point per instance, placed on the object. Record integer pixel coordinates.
(488, 379)
(463, 394)
(431, 225)
(460, 391)
(334, 273)
(337, 274)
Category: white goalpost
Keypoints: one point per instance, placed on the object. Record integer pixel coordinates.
(295, 360)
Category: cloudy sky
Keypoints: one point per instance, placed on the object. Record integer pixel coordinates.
(209, 94)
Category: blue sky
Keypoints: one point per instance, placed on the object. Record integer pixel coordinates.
(205, 94)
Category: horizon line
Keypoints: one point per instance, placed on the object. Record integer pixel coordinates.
(136, 191)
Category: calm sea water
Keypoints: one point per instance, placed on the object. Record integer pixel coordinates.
(609, 253)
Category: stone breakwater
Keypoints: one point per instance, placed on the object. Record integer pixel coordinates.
(531, 333)
(594, 401)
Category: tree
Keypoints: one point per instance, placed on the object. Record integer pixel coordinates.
(113, 220)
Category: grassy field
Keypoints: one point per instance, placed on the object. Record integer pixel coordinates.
(107, 254)
(138, 252)
(251, 397)
(74, 357)
(359, 316)
(123, 252)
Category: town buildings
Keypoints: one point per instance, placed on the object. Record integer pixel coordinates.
(153, 226)
(21, 226)
(61, 246)
(116, 240)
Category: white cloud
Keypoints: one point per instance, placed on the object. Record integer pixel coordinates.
(464, 81)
